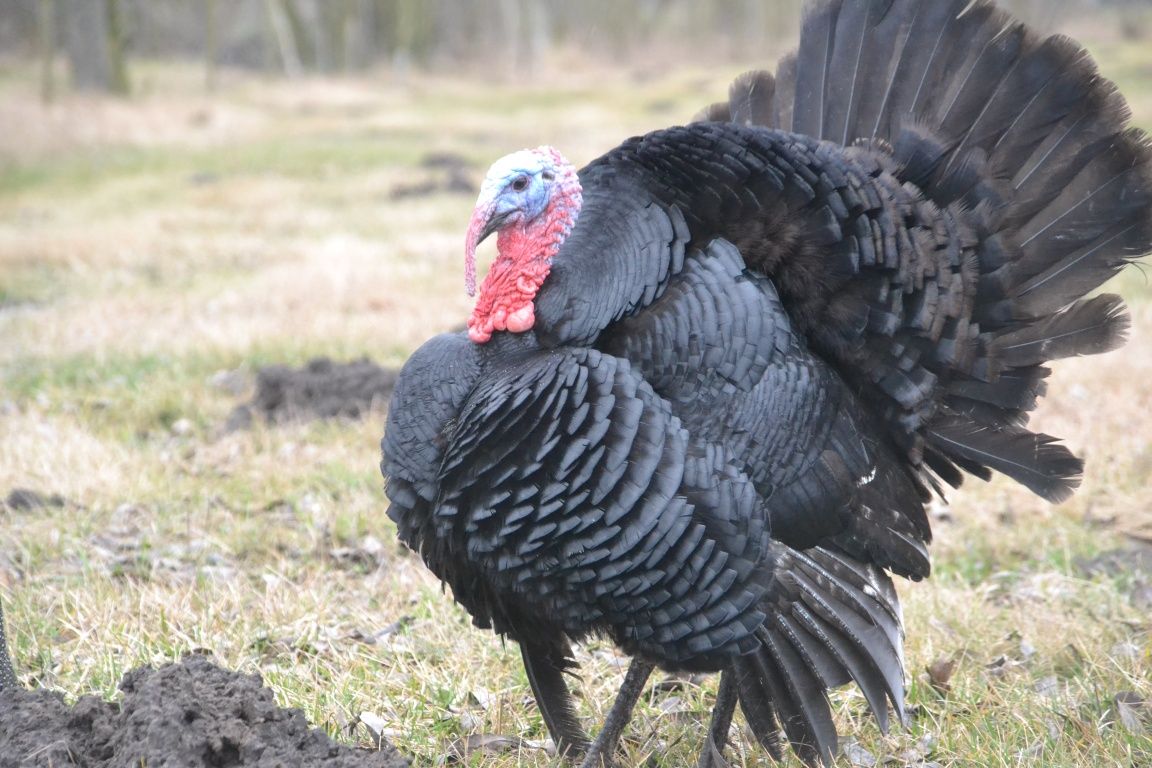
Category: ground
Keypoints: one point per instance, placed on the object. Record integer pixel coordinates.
(155, 253)
(188, 713)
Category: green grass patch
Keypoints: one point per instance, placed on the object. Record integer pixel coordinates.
(83, 172)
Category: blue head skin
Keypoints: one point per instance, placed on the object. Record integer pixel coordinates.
(515, 192)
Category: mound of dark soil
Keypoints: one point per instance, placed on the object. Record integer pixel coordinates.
(321, 389)
(26, 499)
(445, 172)
(189, 714)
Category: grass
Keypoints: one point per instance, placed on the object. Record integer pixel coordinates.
(153, 244)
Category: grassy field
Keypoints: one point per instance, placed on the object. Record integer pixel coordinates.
(155, 252)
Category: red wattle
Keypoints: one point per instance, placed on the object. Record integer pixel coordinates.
(506, 297)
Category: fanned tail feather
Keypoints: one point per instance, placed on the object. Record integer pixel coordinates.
(1036, 461)
(833, 620)
(784, 106)
(546, 666)
(1020, 141)
(813, 59)
(855, 51)
(751, 97)
(1088, 327)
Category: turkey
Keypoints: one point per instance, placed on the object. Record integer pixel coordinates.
(713, 378)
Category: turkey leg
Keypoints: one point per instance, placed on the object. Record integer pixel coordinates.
(600, 755)
(712, 755)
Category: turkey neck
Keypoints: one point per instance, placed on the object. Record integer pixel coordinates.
(523, 261)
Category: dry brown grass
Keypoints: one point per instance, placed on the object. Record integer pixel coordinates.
(146, 245)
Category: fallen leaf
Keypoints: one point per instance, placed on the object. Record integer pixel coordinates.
(1048, 687)
(1013, 651)
(1015, 646)
(545, 745)
(469, 721)
(375, 725)
(1127, 649)
(1033, 751)
(488, 743)
(1000, 665)
(1133, 712)
(857, 755)
(481, 697)
(371, 638)
(918, 755)
(369, 552)
(940, 673)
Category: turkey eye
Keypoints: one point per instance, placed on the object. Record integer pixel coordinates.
(520, 184)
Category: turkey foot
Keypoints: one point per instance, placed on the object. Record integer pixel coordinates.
(712, 754)
(601, 752)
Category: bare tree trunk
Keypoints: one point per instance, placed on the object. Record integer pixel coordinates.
(117, 46)
(361, 40)
(352, 31)
(301, 39)
(86, 40)
(211, 44)
(343, 35)
(285, 40)
(539, 32)
(310, 22)
(407, 28)
(510, 28)
(46, 42)
(269, 47)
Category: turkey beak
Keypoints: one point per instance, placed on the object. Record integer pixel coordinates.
(494, 223)
(485, 220)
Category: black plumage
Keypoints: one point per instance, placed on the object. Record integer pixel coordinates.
(771, 336)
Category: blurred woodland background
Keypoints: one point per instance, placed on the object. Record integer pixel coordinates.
(97, 40)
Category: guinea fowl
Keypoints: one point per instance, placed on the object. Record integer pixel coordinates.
(713, 379)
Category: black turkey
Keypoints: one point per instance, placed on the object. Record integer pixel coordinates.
(712, 380)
